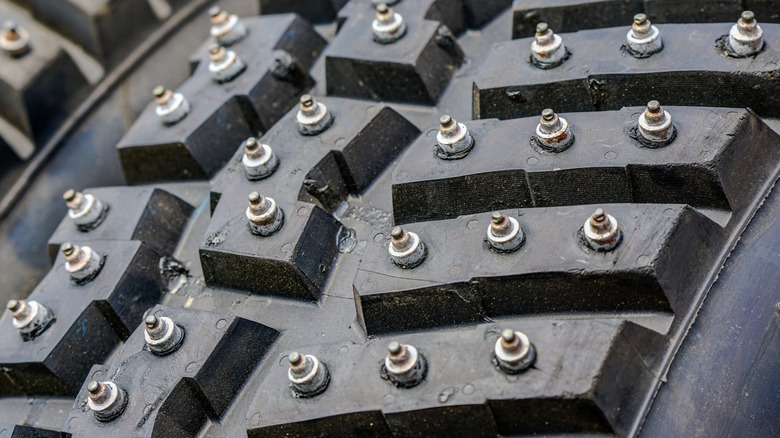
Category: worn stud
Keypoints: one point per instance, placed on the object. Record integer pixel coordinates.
(514, 352)
(313, 117)
(504, 233)
(406, 249)
(106, 400)
(14, 39)
(746, 37)
(265, 218)
(601, 231)
(308, 376)
(404, 366)
(553, 133)
(171, 107)
(162, 335)
(643, 39)
(259, 160)
(453, 140)
(224, 64)
(388, 26)
(547, 49)
(86, 211)
(82, 263)
(655, 125)
(30, 317)
(226, 28)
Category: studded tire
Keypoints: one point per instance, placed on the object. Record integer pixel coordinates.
(448, 218)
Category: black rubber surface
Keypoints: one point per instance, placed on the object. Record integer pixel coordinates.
(688, 291)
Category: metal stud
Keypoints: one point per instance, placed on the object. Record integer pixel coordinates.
(547, 49)
(162, 335)
(655, 125)
(308, 376)
(224, 64)
(86, 211)
(514, 352)
(453, 140)
(265, 218)
(14, 39)
(406, 249)
(259, 160)
(553, 133)
(388, 26)
(106, 400)
(601, 231)
(30, 317)
(226, 28)
(82, 263)
(746, 37)
(313, 117)
(171, 107)
(504, 233)
(643, 39)
(404, 365)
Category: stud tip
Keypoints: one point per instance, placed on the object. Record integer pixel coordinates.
(653, 106)
(150, 321)
(508, 335)
(640, 19)
(67, 248)
(254, 198)
(747, 17)
(307, 100)
(69, 195)
(382, 8)
(13, 305)
(93, 387)
(497, 217)
(445, 121)
(397, 233)
(548, 114)
(214, 11)
(598, 215)
(295, 358)
(214, 48)
(251, 143)
(542, 28)
(10, 26)
(158, 91)
(394, 348)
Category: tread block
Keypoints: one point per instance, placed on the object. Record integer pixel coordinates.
(701, 167)
(101, 27)
(314, 11)
(19, 431)
(90, 320)
(176, 394)
(293, 263)
(575, 15)
(223, 115)
(690, 70)
(571, 388)
(39, 89)
(296, 261)
(415, 69)
(323, 169)
(147, 214)
(462, 281)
